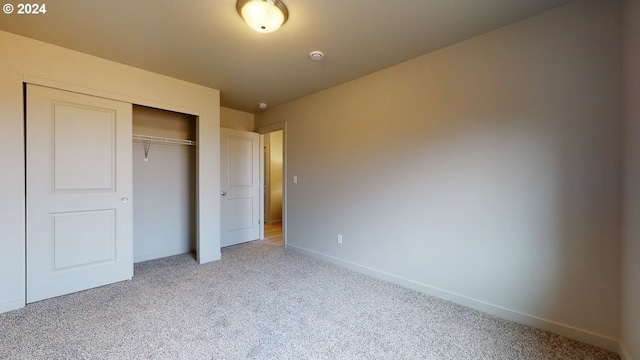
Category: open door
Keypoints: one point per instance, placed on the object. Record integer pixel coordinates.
(239, 185)
(79, 185)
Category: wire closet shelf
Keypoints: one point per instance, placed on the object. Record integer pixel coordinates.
(157, 139)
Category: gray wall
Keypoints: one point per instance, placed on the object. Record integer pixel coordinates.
(631, 203)
(487, 172)
(236, 119)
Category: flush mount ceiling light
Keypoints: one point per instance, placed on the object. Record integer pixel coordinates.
(263, 16)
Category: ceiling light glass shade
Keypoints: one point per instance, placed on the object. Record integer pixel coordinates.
(263, 16)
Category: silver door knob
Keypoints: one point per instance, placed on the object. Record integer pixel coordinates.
(124, 200)
(223, 193)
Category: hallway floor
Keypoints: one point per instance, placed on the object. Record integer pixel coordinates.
(273, 233)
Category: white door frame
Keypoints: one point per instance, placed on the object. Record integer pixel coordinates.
(285, 179)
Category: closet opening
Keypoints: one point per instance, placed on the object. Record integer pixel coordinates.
(164, 183)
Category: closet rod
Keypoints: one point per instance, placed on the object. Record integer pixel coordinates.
(164, 140)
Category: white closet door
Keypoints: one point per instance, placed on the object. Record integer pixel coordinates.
(240, 189)
(79, 185)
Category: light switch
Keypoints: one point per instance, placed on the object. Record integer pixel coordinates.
(295, 179)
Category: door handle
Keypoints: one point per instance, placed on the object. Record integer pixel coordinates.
(124, 199)
(223, 193)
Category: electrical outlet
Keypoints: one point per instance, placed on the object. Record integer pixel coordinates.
(340, 239)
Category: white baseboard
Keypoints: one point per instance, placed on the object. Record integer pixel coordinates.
(623, 352)
(160, 254)
(569, 331)
(12, 305)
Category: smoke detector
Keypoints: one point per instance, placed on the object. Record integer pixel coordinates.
(262, 105)
(316, 55)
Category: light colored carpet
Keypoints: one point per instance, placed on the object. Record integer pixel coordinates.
(265, 302)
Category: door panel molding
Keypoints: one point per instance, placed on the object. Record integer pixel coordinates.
(79, 173)
(239, 186)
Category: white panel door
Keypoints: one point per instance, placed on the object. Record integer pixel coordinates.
(240, 189)
(79, 183)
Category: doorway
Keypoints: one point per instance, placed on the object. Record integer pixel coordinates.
(273, 212)
(273, 186)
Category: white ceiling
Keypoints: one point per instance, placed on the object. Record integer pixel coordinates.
(206, 42)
